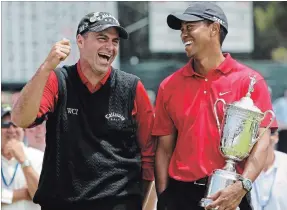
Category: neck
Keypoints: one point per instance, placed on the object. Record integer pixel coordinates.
(91, 75)
(206, 63)
(270, 159)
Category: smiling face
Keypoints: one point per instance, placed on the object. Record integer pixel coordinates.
(99, 49)
(198, 37)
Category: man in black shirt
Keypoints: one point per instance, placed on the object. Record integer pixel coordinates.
(99, 152)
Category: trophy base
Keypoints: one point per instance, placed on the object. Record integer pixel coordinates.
(219, 180)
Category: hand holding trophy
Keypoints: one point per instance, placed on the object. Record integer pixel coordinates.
(239, 134)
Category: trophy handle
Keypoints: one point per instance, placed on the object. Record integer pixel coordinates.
(271, 121)
(215, 112)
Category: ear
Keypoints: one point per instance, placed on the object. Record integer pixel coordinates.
(215, 28)
(80, 41)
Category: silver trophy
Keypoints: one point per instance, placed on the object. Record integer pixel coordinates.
(239, 134)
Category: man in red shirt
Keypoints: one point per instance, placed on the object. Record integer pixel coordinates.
(188, 138)
(99, 151)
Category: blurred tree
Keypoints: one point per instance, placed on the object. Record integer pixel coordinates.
(270, 30)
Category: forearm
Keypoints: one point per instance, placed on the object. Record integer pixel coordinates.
(162, 160)
(26, 108)
(147, 174)
(20, 194)
(257, 158)
(164, 151)
(32, 179)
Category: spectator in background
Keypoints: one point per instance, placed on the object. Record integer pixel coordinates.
(36, 136)
(270, 188)
(21, 167)
(280, 109)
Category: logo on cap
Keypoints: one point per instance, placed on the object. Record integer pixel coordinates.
(94, 17)
(83, 27)
(98, 16)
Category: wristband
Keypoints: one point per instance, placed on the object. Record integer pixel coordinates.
(26, 163)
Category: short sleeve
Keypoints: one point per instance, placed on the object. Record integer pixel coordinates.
(163, 124)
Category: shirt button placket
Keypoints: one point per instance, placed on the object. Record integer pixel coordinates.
(206, 80)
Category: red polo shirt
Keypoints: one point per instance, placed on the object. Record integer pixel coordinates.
(143, 112)
(185, 104)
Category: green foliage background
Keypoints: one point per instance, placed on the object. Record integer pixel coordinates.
(270, 30)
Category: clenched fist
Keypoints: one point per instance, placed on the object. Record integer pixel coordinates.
(15, 149)
(59, 52)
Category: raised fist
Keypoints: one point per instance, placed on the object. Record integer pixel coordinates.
(59, 52)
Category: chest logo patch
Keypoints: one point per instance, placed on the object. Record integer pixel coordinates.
(72, 111)
(223, 93)
(114, 117)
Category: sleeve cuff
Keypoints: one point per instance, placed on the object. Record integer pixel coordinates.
(7, 196)
(148, 174)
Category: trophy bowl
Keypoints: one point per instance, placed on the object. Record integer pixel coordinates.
(240, 129)
(240, 132)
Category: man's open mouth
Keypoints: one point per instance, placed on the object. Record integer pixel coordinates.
(188, 43)
(105, 56)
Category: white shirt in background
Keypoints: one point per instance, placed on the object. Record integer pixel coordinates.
(280, 109)
(270, 188)
(8, 168)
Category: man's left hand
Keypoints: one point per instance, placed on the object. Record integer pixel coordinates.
(228, 198)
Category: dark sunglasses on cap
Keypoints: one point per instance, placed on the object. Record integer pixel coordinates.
(7, 124)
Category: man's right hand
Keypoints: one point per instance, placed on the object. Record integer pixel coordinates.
(59, 52)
